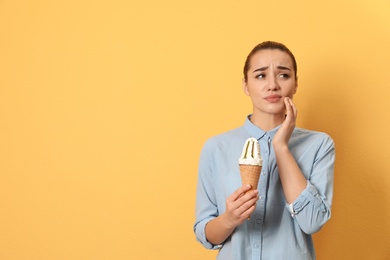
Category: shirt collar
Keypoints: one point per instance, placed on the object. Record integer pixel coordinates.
(256, 131)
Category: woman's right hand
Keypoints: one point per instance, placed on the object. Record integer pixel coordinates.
(240, 205)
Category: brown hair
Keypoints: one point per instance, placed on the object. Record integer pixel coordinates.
(268, 45)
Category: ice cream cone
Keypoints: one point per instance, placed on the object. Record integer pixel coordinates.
(250, 174)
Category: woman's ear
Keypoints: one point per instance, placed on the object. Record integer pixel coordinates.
(245, 87)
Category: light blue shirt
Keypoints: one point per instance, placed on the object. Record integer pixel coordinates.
(276, 230)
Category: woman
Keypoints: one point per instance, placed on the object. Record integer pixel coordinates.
(293, 199)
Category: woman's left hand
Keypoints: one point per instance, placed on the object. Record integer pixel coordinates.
(284, 133)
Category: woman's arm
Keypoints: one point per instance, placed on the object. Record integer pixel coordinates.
(291, 177)
(309, 200)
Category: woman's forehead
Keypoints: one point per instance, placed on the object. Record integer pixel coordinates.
(271, 57)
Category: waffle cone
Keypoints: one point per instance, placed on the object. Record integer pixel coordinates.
(250, 174)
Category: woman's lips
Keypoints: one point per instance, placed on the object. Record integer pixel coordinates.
(273, 98)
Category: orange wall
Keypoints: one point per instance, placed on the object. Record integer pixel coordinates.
(105, 105)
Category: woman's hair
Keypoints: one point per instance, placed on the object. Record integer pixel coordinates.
(268, 45)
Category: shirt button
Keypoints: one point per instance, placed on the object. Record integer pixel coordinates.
(258, 221)
(256, 245)
(261, 197)
(262, 173)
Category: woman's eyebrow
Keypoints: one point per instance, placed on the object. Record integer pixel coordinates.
(283, 68)
(265, 68)
(261, 69)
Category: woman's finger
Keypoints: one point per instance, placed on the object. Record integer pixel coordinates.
(246, 205)
(293, 107)
(239, 192)
(291, 110)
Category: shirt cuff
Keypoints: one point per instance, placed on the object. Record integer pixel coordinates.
(310, 193)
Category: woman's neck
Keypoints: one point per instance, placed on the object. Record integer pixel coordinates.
(267, 121)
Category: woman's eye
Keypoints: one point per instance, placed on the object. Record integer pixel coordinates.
(260, 76)
(284, 76)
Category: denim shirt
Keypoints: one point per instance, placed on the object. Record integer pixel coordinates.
(275, 230)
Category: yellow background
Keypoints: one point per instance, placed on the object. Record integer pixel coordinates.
(105, 105)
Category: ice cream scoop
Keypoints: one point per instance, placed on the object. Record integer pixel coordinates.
(251, 153)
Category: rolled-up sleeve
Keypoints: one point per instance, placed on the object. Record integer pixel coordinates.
(206, 205)
(312, 209)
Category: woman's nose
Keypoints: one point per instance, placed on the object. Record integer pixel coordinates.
(273, 84)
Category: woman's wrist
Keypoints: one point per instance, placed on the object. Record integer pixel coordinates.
(228, 224)
(280, 147)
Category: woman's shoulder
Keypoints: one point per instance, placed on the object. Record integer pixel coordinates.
(227, 138)
(309, 135)
(310, 132)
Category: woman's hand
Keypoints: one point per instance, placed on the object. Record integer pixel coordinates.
(240, 205)
(285, 131)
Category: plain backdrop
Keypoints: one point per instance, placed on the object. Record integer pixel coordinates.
(105, 106)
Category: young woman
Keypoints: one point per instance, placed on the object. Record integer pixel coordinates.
(293, 199)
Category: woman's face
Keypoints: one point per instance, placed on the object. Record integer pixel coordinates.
(271, 77)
